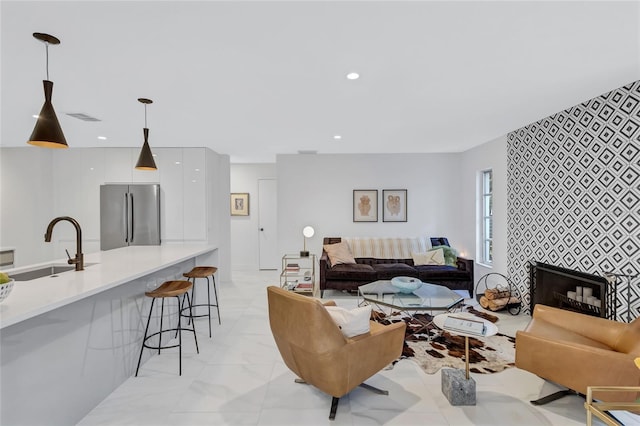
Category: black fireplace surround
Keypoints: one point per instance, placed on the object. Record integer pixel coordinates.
(549, 284)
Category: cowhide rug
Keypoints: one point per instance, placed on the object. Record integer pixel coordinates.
(486, 354)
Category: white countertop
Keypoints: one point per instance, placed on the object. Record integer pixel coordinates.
(111, 268)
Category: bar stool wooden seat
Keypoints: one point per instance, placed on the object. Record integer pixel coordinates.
(169, 289)
(204, 272)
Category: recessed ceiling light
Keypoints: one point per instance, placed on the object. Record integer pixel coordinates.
(177, 162)
(102, 138)
(197, 170)
(336, 137)
(35, 115)
(353, 76)
(155, 155)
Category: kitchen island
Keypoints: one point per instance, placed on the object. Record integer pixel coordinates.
(67, 341)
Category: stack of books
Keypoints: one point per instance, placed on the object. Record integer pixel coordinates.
(292, 267)
(304, 287)
(465, 325)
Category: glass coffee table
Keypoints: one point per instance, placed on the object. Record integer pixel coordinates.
(425, 299)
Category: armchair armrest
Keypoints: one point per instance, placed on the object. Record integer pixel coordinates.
(599, 329)
(464, 264)
(324, 265)
(575, 365)
(467, 265)
(368, 354)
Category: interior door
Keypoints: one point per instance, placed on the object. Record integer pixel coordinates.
(268, 224)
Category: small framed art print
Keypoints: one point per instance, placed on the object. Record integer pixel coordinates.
(365, 205)
(394, 205)
(239, 204)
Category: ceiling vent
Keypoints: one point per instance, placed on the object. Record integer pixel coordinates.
(82, 116)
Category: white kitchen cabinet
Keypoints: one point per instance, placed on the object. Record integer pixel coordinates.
(182, 174)
(67, 183)
(78, 174)
(118, 167)
(169, 162)
(194, 193)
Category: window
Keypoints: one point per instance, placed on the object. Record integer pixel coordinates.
(486, 218)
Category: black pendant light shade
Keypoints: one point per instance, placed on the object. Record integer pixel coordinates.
(145, 160)
(47, 132)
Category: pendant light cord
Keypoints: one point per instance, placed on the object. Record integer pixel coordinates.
(46, 47)
(145, 115)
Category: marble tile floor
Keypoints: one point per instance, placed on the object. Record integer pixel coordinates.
(239, 379)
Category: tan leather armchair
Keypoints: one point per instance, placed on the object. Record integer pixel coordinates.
(314, 348)
(577, 351)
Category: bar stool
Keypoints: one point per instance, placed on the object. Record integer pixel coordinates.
(204, 272)
(168, 289)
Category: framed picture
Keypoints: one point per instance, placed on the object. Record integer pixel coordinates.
(365, 205)
(239, 204)
(394, 205)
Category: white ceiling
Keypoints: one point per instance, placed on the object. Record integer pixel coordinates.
(256, 79)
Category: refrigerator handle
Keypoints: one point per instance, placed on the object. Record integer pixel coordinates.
(131, 210)
(125, 219)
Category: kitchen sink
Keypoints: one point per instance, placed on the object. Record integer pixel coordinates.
(47, 271)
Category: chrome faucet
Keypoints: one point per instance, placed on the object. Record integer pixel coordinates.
(79, 259)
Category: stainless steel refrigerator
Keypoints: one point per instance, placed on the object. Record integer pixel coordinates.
(129, 215)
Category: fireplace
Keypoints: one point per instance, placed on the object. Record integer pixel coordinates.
(560, 287)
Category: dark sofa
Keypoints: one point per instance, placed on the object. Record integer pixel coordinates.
(368, 269)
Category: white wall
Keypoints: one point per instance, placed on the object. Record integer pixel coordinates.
(491, 155)
(245, 229)
(317, 190)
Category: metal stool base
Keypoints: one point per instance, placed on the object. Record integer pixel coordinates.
(178, 331)
(208, 304)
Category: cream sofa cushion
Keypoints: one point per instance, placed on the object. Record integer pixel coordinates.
(339, 253)
(431, 257)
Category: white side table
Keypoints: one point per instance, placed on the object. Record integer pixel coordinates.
(459, 389)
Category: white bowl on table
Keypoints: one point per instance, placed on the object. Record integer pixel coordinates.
(5, 289)
(406, 284)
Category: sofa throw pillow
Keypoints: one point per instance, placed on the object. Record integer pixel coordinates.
(339, 253)
(433, 257)
(351, 322)
(450, 255)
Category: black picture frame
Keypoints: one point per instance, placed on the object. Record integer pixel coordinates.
(394, 205)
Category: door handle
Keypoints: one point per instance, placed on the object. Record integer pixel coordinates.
(132, 216)
(125, 218)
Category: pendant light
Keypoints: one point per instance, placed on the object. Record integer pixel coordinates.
(47, 132)
(145, 160)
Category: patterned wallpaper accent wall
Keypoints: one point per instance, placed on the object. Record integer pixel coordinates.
(574, 192)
